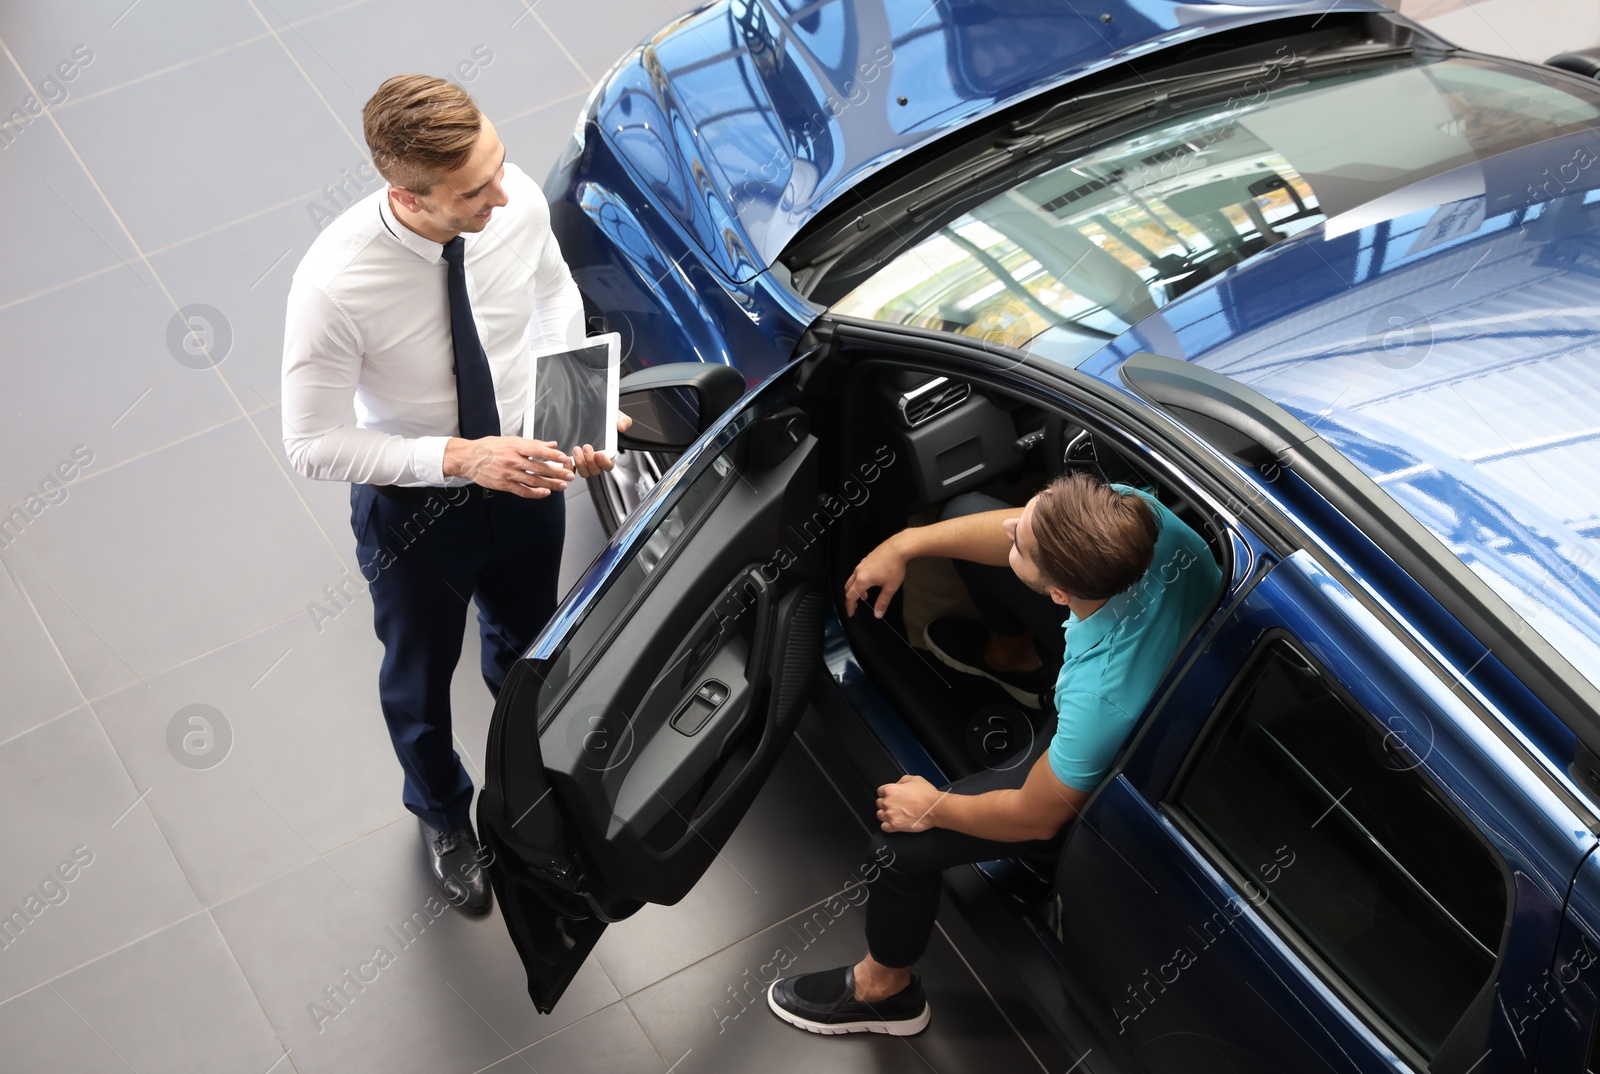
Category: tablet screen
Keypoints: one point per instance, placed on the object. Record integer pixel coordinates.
(575, 395)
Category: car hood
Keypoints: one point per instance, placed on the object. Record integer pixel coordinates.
(1446, 339)
(747, 117)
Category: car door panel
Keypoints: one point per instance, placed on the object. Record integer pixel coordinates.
(1556, 1015)
(1233, 983)
(1175, 989)
(620, 761)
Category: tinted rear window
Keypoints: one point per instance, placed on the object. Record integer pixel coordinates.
(1371, 868)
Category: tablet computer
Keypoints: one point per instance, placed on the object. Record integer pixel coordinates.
(575, 395)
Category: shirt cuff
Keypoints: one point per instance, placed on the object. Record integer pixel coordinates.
(427, 459)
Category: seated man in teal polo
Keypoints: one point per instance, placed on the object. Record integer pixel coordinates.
(1134, 580)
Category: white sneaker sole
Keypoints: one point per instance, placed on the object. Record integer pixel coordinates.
(1018, 694)
(903, 1027)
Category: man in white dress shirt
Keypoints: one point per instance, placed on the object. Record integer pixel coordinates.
(420, 304)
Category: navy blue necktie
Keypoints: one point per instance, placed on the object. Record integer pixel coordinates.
(475, 403)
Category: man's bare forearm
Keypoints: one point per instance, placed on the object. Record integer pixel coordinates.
(980, 538)
(1000, 815)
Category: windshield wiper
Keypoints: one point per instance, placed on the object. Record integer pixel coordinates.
(1225, 77)
(1155, 93)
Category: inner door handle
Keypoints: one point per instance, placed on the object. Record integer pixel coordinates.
(697, 657)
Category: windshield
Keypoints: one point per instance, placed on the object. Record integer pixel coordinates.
(1072, 255)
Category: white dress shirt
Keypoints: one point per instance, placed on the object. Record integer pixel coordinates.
(369, 321)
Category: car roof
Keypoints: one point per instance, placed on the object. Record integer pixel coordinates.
(1446, 340)
(745, 120)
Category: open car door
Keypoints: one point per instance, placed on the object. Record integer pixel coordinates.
(628, 743)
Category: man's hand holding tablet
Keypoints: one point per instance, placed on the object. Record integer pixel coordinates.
(576, 402)
(588, 462)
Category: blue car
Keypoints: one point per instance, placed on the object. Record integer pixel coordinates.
(1324, 284)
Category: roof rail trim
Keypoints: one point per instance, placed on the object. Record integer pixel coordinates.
(1253, 430)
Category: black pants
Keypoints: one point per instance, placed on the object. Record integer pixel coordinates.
(422, 561)
(1004, 603)
(904, 898)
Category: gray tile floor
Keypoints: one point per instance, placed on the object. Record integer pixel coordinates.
(213, 904)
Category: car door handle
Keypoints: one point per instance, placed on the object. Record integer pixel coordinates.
(697, 657)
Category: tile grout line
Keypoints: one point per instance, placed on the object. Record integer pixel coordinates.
(203, 907)
(242, 42)
(352, 841)
(125, 686)
(530, 5)
(45, 722)
(284, 204)
(201, 656)
(120, 463)
(143, 257)
(92, 1029)
(186, 240)
(316, 89)
(526, 112)
(461, 747)
(16, 583)
(515, 1051)
(648, 1039)
(56, 287)
(151, 813)
(837, 790)
(736, 942)
(209, 907)
(245, 977)
(1006, 1017)
(553, 1033)
(90, 962)
(89, 702)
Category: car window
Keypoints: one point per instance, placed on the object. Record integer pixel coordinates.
(1080, 248)
(690, 501)
(1349, 844)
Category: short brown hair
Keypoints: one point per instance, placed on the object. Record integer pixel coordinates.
(417, 127)
(1093, 541)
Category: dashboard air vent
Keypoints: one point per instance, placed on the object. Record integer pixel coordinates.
(929, 400)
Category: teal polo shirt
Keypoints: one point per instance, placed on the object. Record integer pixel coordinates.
(1116, 656)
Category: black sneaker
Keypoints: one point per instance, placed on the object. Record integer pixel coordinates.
(959, 643)
(825, 1002)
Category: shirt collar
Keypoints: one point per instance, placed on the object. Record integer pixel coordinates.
(1084, 634)
(430, 251)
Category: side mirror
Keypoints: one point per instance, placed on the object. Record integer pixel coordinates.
(672, 404)
(1584, 61)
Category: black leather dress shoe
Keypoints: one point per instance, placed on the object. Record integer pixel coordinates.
(457, 865)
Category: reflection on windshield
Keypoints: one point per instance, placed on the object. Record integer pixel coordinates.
(1070, 257)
